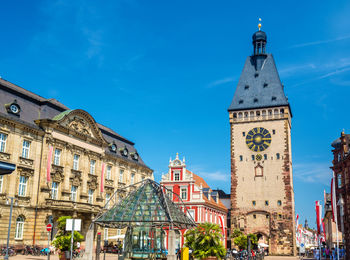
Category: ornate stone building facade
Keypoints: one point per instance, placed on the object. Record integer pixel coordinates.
(341, 168)
(66, 164)
(262, 198)
(202, 203)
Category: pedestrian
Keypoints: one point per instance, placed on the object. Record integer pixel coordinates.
(179, 254)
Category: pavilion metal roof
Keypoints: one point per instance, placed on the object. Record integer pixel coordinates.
(148, 204)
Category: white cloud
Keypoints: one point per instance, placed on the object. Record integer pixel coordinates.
(305, 44)
(313, 172)
(215, 176)
(221, 82)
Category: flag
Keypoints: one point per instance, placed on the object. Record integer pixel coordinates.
(318, 216)
(333, 198)
(48, 168)
(102, 177)
(297, 220)
(324, 230)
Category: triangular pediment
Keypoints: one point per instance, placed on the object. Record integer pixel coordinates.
(80, 123)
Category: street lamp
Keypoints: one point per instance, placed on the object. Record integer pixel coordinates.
(9, 229)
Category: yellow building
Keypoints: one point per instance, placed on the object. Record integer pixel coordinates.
(32, 128)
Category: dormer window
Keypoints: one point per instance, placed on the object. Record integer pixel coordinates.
(246, 87)
(241, 101)
(273, 98)
(265, 85)
(256, 74)
(13, 108)
(255, 100)
(124, 151)
(135, 156)
(113, 147)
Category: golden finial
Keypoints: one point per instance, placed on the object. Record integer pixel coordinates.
(259, 25)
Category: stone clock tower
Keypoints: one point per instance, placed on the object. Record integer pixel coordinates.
(262, 198)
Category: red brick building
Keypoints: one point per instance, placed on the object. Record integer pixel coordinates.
(202, 203)
(341, 168)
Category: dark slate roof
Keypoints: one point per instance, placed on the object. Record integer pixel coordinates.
(34, 107)
(222, 194)
(259, 87)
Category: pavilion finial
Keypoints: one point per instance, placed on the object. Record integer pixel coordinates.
(177, 155)
(259, 24)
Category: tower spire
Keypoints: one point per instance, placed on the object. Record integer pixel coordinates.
(259, 25)
(259, 42)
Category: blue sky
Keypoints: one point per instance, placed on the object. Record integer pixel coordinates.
(163, 73)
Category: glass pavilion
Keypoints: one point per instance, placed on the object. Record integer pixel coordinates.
(148, 213)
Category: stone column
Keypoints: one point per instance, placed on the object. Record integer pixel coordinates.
(171, 245)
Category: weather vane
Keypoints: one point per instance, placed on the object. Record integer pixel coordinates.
(259, 25)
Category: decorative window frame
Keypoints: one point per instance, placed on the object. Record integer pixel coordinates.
(259, 171)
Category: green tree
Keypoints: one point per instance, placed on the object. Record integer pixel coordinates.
(241, 240)
(63, 238)
(205, 241)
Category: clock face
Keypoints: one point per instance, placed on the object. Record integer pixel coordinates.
(114, 147)
(125, 152)
(258, 139)
(136, 156)
(14, 108)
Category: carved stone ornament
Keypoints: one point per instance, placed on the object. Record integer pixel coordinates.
(92, 182)
(26, 162)
(80, 125)
(109, 188)
(109, 183)
(24, 171)
(76, 179)
(57, 173)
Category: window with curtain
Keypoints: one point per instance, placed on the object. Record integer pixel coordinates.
(91, 196)
(108, 197)
(74, 193)
(76, 162)
(184, 193)
(3, 138)
(22, 189)
(121, 175)
(57, 157)
(92, 166)
(19, 227)
(54, 190)
(109, 172)
(25, 149)
(132, 180)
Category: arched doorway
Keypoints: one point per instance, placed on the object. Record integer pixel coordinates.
(262, 238)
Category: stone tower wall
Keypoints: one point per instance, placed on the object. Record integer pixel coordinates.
(274, 221)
